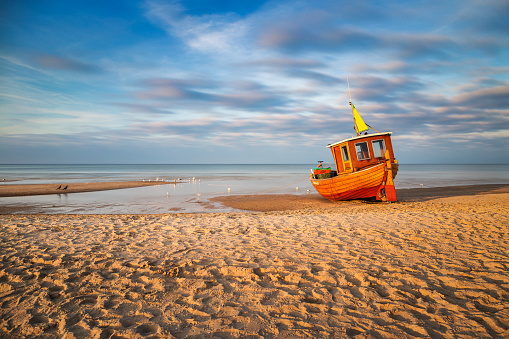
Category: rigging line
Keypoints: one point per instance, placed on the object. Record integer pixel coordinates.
(348, 89)
(372, 128)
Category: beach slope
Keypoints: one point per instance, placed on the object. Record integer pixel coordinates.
(286, 202)
(434, 268)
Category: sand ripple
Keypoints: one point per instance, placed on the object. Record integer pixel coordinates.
(436, 269)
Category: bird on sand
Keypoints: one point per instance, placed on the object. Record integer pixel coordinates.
(64, 188)
(59, 187)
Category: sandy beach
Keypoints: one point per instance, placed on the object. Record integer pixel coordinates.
(435, 265)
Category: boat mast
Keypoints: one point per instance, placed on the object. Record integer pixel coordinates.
(359, 124)
(349, 89)
(355, 125)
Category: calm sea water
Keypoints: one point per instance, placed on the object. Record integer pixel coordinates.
(204, 182)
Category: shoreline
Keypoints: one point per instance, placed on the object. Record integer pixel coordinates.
(23, 190)
(254, 202)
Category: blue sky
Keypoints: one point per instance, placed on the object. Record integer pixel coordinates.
(251, 81)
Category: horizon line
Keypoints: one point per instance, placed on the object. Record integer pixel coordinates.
(302, 163)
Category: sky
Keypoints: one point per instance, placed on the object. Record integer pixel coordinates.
(211, 82)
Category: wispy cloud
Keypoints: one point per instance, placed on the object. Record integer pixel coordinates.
(245, 95)
(486, 98)
(64, 64)
(139, 108)
(214, 33)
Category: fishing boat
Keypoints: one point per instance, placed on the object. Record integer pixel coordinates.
(365, 166)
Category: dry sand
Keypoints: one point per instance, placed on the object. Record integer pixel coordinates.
(14, 190)
(436, 267)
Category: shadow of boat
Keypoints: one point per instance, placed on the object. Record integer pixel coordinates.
(423, 194)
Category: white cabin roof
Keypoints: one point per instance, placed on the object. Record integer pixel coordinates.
(359, 137)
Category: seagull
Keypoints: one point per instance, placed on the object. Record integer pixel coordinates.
(64, 188)
(59, 187)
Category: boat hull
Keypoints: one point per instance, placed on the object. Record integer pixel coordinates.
(375, 181)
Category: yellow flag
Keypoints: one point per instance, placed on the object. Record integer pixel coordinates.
(360, 126)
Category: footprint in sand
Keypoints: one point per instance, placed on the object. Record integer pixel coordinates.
(112, 303)
(89, 300)
(39, 319)
(147, 328)
(55, 291)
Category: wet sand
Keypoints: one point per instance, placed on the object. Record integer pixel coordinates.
(14, 190)
(282, 202)
(425, 267)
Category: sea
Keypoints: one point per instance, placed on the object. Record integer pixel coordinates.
(201, 182)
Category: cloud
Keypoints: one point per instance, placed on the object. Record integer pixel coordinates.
(64, 64)
(298, 38)
(411, 46)
(427, 35)
(243, 95)
(283, 62)
(174, 89)
(389, 103)
(142, 108)
(213, 32)
(485, 71)
(335, 37)
(486, 98)
(492, 18)
(301, 68)
(318, 77)
(261, 129)
(381, 89)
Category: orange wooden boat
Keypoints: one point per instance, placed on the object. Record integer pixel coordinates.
(365, 167)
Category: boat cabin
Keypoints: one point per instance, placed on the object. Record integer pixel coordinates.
(356, 153)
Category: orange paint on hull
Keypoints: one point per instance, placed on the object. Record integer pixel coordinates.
(365, 183)
(390, 191)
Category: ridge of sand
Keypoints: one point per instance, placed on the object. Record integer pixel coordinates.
(427, 269)
(13, 190)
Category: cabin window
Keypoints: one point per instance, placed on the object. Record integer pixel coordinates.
(361, 149)
(345, 153)
(378, 148)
